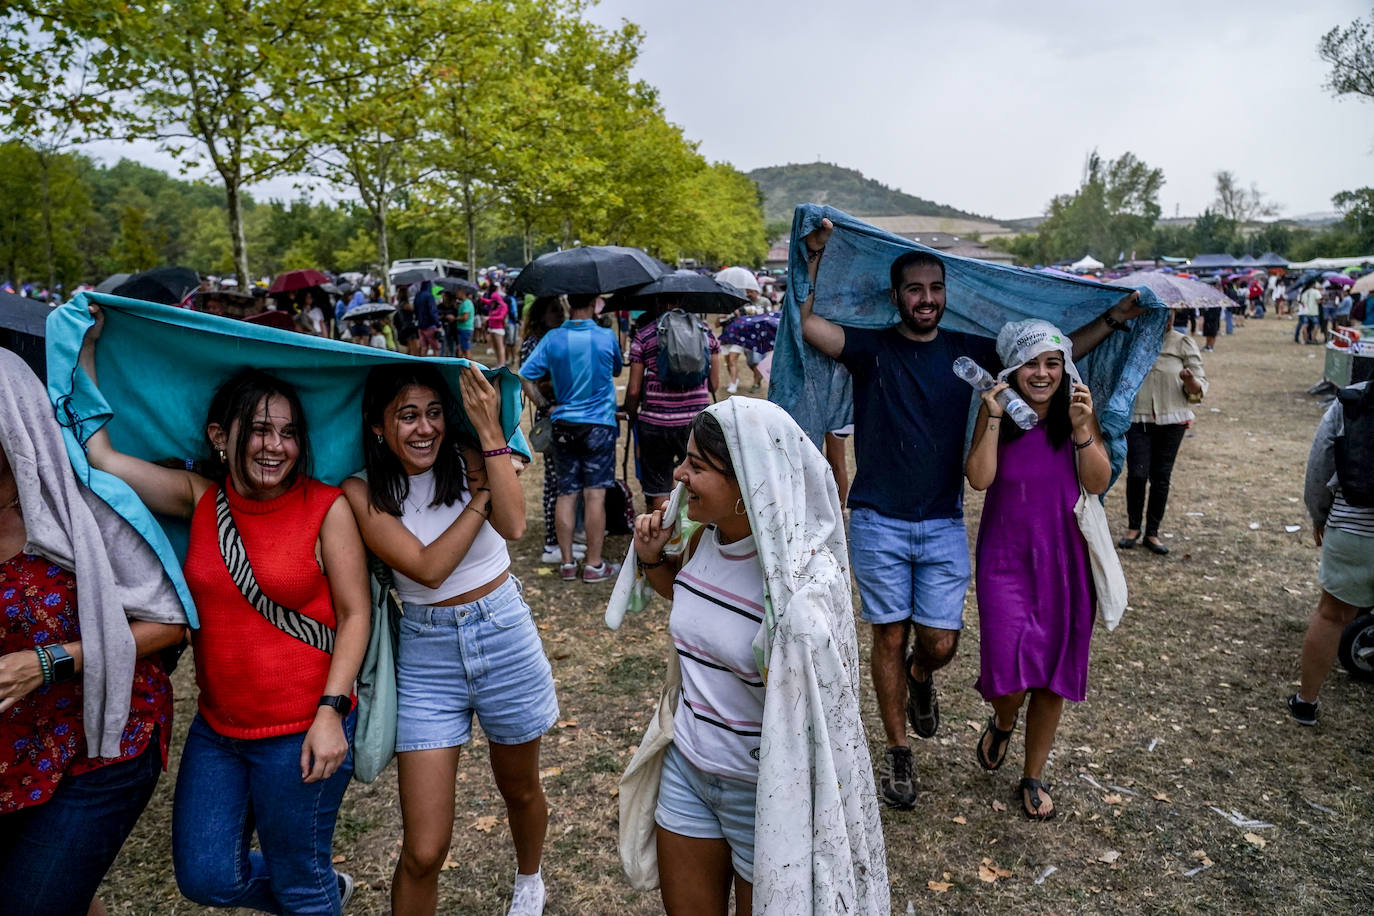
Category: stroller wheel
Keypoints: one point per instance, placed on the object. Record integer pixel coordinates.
(1357, 647)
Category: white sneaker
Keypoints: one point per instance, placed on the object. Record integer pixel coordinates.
(529, 896)
(732, 387)
(346, 887)
(554, 555)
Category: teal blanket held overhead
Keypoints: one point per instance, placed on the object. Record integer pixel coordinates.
(851, 289)
(158, 367)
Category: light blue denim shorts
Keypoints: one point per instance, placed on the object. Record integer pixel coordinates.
(906, 570)
(485, 657)
(708, 807)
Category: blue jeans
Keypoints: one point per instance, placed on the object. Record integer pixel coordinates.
(53, 856)
(227, 789)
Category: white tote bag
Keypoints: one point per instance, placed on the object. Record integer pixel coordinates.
(1108, 577)
(639, 788)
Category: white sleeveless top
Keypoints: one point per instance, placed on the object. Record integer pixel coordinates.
(485, 560)
(717, 611)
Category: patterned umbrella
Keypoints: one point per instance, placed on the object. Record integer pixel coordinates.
(1175, 292)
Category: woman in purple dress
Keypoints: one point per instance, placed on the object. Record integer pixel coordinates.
(1035, 591)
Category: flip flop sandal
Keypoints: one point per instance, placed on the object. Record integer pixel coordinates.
(997, 752)
(1033, 786)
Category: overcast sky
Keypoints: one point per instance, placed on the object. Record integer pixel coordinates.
(992, 105)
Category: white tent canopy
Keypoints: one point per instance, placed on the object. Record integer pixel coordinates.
(1087, 262)
(1331, 263)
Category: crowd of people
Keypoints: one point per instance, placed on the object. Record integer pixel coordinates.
(743, 530)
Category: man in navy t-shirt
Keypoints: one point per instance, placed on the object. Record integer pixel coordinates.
(907, 542)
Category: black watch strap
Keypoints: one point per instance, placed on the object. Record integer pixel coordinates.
(340, 704)
(1113, 323)
(63, 665)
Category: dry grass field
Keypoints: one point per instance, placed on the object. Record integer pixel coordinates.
(1184, 729)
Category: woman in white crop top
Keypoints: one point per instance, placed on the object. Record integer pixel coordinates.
(438, 508)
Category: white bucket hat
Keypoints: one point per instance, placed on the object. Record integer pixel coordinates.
(1019, 342)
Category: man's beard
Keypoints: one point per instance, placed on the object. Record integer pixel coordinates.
(913, 323)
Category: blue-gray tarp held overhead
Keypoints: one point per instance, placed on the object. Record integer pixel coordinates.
(158, 367)
(852, 289)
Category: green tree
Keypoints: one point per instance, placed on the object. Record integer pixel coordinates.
(42, 243)
(210, 79)
(1349, 51)
(1112, 213)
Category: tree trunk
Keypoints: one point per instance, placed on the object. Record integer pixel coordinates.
(231, 193)
(525, 239)
(470, 219)
(383, 243)
(43, 164)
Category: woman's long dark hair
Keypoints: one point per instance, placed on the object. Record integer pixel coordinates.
(388, 484)
(236, 400)
(1058, 426)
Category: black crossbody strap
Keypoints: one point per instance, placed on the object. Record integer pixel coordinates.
(292, 623)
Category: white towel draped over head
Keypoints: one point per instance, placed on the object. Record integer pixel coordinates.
(818, 845)
(118, 576)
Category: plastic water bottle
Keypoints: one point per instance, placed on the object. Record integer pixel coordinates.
(1019, 411)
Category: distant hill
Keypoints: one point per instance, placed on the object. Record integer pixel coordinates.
(786, 186)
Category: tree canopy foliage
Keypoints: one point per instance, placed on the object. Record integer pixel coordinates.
(485, 120)
(1349, 51)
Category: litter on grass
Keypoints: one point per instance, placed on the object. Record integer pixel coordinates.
(1240, 820)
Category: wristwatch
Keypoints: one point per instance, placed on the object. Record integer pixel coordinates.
(63, 665)
(1113, 323)
(341, 705)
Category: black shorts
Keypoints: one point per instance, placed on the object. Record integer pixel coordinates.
(661, 450)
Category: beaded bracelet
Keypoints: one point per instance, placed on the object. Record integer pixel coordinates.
(497, 451)
(44, 664)
(662, 558)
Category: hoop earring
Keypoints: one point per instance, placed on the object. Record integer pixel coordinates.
(739, 507)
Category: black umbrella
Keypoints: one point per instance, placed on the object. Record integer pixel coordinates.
(23, 324)
(167, 285)
(687, 289)
(589, 270)
(458, 285)
(413, 275)
(109, 283)
(369, 310)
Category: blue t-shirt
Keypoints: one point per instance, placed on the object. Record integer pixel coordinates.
(580, 357)
(910, 415)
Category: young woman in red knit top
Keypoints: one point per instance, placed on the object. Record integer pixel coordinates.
(268, 752)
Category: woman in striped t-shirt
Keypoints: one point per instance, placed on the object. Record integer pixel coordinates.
(768, 712)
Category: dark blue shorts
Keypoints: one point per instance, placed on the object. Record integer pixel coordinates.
(584, 456)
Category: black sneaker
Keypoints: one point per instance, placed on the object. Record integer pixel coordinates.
(1304, 713)
(896, 782)
(922, 705)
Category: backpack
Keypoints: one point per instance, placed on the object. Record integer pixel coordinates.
(684, 354)
(1355, 446)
